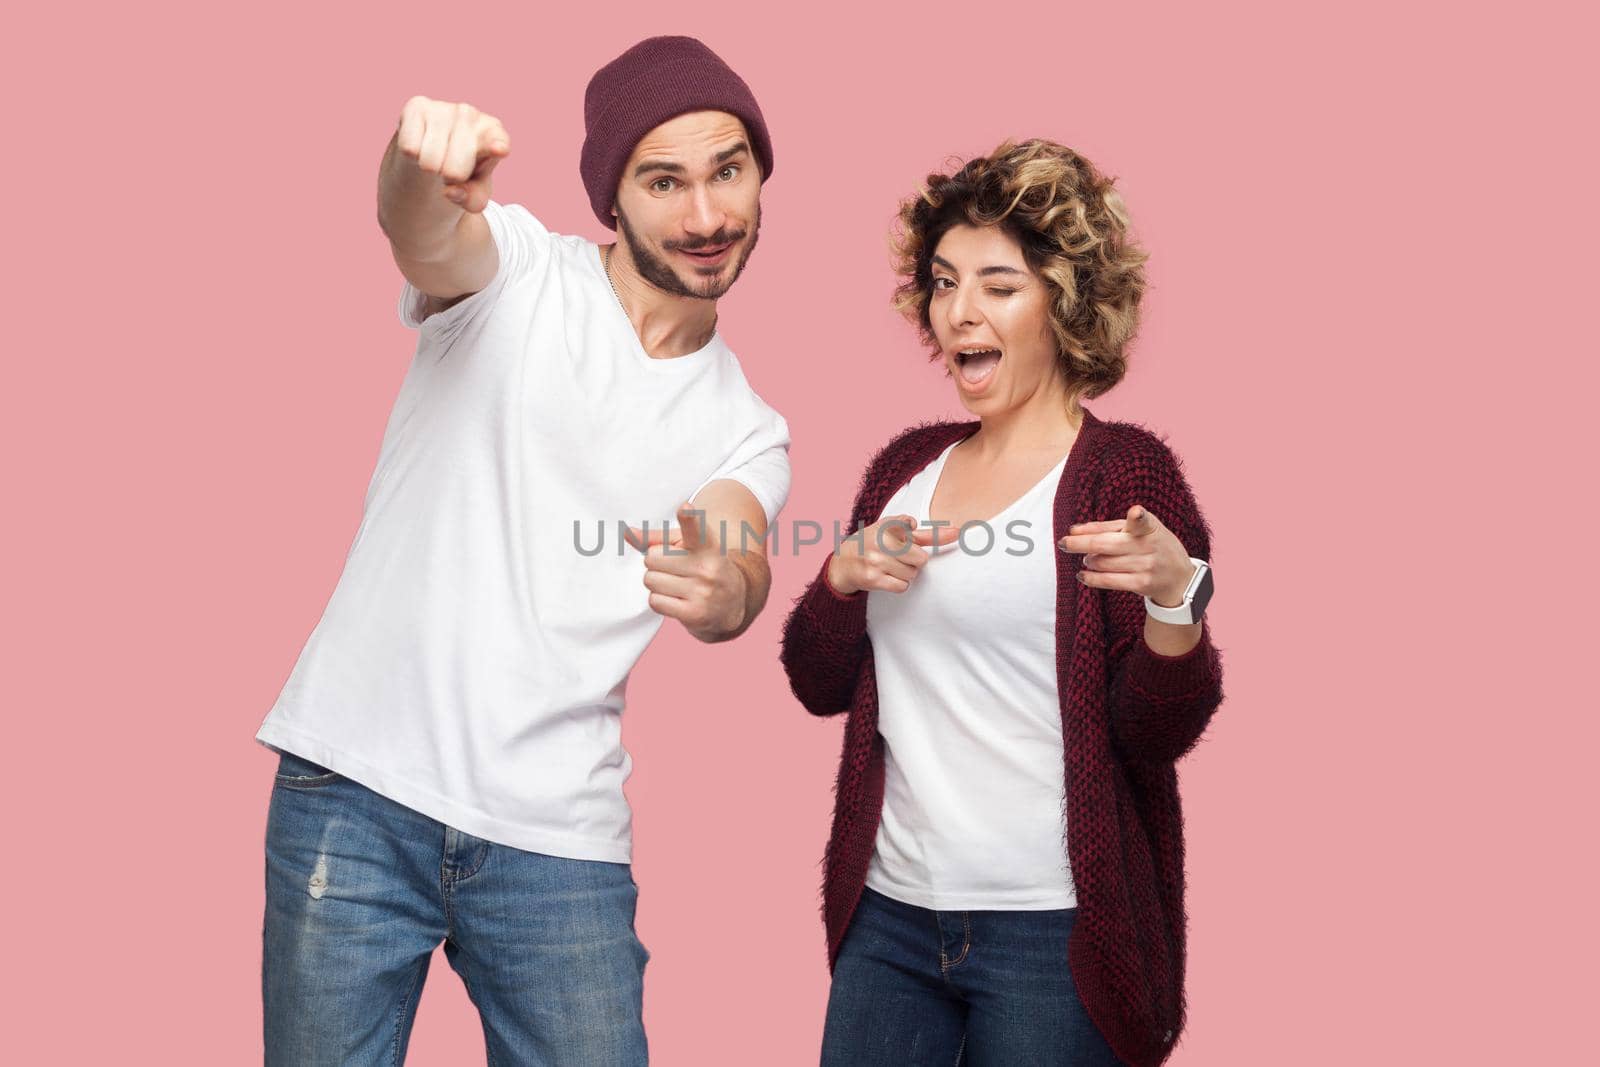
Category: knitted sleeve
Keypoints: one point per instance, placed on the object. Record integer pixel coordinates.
(825, 636)
(1158, 705)
(824, 644)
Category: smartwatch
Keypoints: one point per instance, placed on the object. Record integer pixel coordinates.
(1195, 597)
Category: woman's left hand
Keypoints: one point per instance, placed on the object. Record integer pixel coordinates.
(1137, 554)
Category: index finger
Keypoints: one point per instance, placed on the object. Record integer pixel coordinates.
(645, 539)
(1108, 526)
(1111, 543)
(493, 140)
(943, 535)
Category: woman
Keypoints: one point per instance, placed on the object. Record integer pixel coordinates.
(1004, 880)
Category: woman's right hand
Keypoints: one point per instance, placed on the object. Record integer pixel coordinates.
(887, 555)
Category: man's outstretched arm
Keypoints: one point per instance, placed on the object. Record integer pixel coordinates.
(433, 185)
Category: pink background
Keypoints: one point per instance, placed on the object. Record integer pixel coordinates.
(1368, 226)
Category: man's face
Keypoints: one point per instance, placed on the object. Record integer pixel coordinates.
(689, 204)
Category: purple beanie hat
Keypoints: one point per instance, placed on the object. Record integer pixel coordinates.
(657, 79)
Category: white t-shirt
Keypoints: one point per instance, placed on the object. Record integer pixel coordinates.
(974, 813)
(472, 660)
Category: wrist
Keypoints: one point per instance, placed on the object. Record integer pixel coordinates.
(835, 583)
(1171, 640)
(1171, 595)
(752, 579)
(1185, 606)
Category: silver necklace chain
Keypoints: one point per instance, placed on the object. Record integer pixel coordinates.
(606, 258)
(612, 282)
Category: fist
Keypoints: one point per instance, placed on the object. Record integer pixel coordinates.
(887, 555)
(457, 142)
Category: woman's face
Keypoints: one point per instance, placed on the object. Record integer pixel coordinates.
(990, 315)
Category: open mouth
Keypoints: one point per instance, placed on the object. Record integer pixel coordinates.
(977, 363)
(707, 257)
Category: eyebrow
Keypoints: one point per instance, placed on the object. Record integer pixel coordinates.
(678, 168)
(984, 273)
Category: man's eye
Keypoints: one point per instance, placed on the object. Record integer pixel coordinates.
(662, 185)
(727, 173)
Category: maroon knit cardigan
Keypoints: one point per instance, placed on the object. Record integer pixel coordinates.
(1127, 715)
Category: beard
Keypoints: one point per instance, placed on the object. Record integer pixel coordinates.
(655, 269)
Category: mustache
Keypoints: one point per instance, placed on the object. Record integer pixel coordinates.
(721, 237)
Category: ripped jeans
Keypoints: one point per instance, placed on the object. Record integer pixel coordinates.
(361, 890)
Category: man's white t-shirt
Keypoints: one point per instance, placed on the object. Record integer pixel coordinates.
(974, 813)
(472, 661)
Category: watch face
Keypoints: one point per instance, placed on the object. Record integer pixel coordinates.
(1202, 596)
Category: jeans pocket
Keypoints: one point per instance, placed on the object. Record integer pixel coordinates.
(296, 772)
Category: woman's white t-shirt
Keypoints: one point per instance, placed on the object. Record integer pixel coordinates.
(472, 660)
(974, 814)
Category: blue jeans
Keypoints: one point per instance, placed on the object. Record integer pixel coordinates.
(976, 988)
(361, 890)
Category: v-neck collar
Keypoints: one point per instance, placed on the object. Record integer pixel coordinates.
(1085, 448)
(936, 475)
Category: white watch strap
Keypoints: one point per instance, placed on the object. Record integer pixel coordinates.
(1180, 615)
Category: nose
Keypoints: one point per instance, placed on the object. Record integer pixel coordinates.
(706, 216)
(961, 310)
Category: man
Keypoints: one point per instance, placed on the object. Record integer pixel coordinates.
(451, 765)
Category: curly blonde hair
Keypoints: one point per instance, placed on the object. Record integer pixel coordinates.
(1073, 228)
